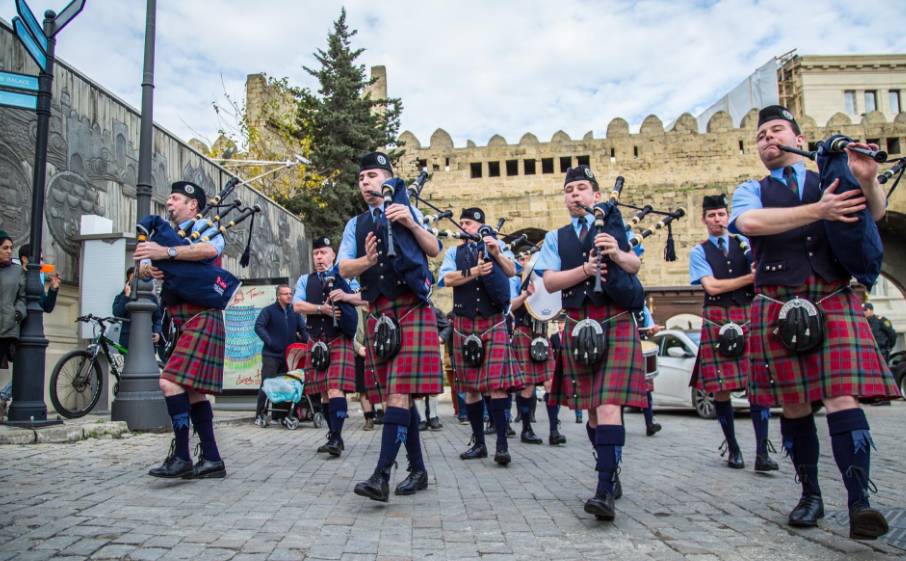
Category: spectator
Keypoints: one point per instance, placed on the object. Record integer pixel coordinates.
(49, 292)
(119, 310)
(12, 301)
(883, 331)
(278, 326)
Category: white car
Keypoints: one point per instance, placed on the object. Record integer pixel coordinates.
(677, 350)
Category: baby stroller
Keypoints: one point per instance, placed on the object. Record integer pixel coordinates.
(285, 394)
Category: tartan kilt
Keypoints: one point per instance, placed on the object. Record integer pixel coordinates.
(340, 375)
(649, 385)
(499, 371)
(416, 368)
(533, 373)
(714, 372)
(848, 362)
(197, 359)
(618, 380)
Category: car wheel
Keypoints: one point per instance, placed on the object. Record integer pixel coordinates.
(704, 404)
(902, 382)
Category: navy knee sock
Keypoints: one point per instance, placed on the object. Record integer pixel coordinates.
(724, 411)
(800, 440)
(590, 431)
(760, 417)
(525, 409)
(178, 408)
(498, 413)
(203, 419)
(475, 412)
(339, 410)
(395, 432)
(609, 442)
(649, 411)
(328, 415)
(414, 443)
(851, 441)
(553, 412)
(486, 399)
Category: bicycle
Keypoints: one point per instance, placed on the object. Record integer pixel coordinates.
(77, 379)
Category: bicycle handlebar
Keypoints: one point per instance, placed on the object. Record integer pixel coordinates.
(110, 319)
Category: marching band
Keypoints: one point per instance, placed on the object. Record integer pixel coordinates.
(780, 320)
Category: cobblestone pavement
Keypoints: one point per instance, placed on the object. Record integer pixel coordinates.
(282, 501)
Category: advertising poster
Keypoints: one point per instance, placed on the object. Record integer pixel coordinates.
(242, 355)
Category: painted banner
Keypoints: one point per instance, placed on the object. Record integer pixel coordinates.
(242, 355)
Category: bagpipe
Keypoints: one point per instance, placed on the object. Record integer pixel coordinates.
(348, 320)
(399, 244)
(199, 282)
(857, 245)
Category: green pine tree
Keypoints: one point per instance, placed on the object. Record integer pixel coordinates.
(343, 123)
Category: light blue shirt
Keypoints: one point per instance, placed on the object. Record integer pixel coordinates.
(200, 226)
(302, 285)
(747, 195)
(647, 320)
(349, 248)
(549, 260)
(449, 263)
(698, 261)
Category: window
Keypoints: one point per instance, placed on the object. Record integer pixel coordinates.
(493, 169)
(742, 147)
(613, 154)
(871, 101)
(529, 167)
(849, 102)
(583, 160)
(423, 164)
(635, 152)
(893, 145)
(447, 164)
(475, 169)
(512, 167)
(547, 165)
(565, 163)
(435, 167)
(873, 141)
(893, 100)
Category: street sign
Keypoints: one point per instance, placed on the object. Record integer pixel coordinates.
(66, 14)
(19, 100)
(18, 81)
(29, 43)
(32, 24)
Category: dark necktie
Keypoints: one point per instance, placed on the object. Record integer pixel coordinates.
(376, 216)
(790, 175)
(722, 246)
(583, 229)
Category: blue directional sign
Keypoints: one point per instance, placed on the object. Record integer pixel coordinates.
(19, 100)
(29, 18)
(29, 43)
(18, 81)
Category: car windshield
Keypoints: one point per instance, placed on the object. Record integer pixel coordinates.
(696, 336)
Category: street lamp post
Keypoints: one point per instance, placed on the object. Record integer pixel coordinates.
(140, 402)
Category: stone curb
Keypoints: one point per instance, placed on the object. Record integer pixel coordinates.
(62, 433)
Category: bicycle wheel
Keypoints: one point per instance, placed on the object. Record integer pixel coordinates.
(75, 384)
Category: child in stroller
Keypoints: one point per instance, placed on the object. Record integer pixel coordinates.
(286, 399)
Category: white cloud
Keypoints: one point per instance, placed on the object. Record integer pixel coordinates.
(473, 67)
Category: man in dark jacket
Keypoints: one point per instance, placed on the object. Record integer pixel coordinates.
(278, 326)
(119, 310)
(49, 297)
(884, 333)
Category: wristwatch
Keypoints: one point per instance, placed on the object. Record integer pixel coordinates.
(171, 251)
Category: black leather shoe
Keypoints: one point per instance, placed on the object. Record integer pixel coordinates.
(208, 469)
(422, 426)
(489, 428)
(556, 438)
(617, 487)
(735, 460)
(807, 512)
(502, 457)
(324, 448)
(763, 462)
(416, 481)
(173, 466)
(529, 437)
(601, 506)
(434, 424)
(334, 447)
(509, 431)
(475, 452)
(866, 523)
(652, 429)
(375, 488)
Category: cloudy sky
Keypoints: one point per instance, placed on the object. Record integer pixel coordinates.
(473, 67)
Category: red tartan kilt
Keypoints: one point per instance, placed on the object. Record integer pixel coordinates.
(649, 384)
(618, 380)
(714, 372)
(499, 371)
(534, 373)
(340, 375)
(848, 362)
(197, 359)
(416, 369)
